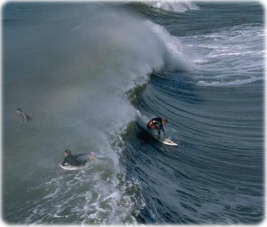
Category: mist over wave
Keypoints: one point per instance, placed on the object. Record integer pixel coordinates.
(74, 70)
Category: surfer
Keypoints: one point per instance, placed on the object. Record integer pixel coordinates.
(157, 123)
(25, 117)
(73, 159)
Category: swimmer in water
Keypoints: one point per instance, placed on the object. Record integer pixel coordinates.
(24, 116)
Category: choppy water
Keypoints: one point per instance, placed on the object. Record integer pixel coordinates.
(83, 70)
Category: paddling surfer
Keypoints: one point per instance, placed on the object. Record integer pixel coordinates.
(24, 116)
(73, 159)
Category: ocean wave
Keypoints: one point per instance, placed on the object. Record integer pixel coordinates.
(83, 85)
(174, 6)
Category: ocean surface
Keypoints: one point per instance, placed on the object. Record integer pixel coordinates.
(83, 70)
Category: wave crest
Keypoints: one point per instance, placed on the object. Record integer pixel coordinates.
(174, 6)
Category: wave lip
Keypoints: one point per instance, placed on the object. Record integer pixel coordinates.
(174, 6)
(175, 55)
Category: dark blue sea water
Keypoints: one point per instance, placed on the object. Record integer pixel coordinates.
(83, 70)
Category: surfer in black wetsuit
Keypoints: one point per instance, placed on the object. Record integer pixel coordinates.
(72, 159)
(25, 117)
(157, 123)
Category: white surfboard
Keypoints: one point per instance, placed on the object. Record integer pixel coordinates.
(69, 167)
(168, 142)
(163, 140)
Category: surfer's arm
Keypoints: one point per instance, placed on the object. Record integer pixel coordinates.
(163, 130)
(25, 117)
(28, 118)
(64, 162)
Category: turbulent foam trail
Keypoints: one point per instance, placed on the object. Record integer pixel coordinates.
(89, 197)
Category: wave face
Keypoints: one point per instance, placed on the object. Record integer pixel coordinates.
(83, 70)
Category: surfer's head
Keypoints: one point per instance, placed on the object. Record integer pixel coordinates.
(67, 152)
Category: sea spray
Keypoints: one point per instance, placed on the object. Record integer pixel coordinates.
(70, 73)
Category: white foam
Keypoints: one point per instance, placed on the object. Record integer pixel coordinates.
(99, 201)
(176, 58)
(222, 83)
(175, 6)
(234, 55)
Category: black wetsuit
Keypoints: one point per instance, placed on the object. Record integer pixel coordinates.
(73, 161)
(156, 123)
(25, 117)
